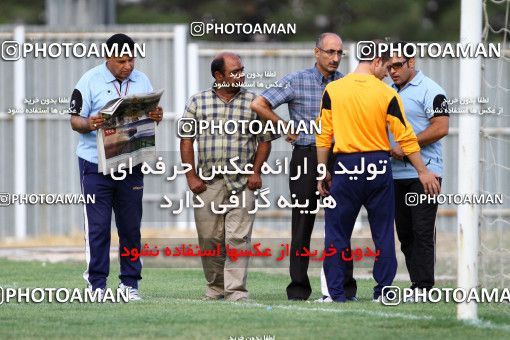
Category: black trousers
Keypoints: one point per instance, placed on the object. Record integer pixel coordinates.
(416, 231)
(304, 188)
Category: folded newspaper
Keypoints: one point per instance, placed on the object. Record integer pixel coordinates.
(128, 132)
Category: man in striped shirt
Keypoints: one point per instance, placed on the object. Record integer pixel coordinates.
(225, 101)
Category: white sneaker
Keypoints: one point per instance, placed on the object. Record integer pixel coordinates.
(417, 295)
(410, 299)
(98, 293)
(385, 301)
(324, 299)
(133, 292)
(380, 300)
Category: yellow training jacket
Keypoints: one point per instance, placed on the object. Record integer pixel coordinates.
(356, 111)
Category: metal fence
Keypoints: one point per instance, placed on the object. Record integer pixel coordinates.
(37, 150)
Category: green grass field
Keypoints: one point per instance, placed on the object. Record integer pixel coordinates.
(172, 308)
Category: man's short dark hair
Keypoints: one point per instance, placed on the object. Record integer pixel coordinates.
(120, 40)
(405, 48)
(218, 64)
(386, 55)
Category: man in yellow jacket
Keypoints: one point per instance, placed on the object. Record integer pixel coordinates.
(356, 111)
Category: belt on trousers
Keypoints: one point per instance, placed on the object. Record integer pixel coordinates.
(306, 147)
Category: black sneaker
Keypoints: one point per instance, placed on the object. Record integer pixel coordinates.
(297, 299)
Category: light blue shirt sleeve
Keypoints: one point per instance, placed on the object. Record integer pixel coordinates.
(278, 95)
(83, 87)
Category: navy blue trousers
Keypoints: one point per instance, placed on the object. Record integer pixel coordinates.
(125, 199)
(378, 198)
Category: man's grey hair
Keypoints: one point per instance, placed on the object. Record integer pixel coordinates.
(322, 36)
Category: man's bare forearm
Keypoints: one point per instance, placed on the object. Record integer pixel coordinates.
(434, 132)
(417, 162)
(322, 155)
(261, 155)
(188, 155)
(263, 109)
(80, 124)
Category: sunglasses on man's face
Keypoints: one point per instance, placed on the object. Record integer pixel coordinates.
(397, 65)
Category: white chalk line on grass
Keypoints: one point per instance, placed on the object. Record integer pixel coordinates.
(487, 325)
(477, 324)
(355, 311)
(318, 309)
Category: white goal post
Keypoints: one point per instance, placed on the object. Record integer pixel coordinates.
(468, 156)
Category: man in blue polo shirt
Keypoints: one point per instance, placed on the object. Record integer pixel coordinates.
(426, 110)
(112, 79)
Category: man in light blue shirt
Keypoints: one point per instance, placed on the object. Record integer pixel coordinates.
(426, 110)
(112, 79)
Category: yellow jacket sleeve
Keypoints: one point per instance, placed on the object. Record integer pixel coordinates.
(325, 121)
(400, 127)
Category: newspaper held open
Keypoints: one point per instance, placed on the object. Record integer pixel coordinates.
(128, 132)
